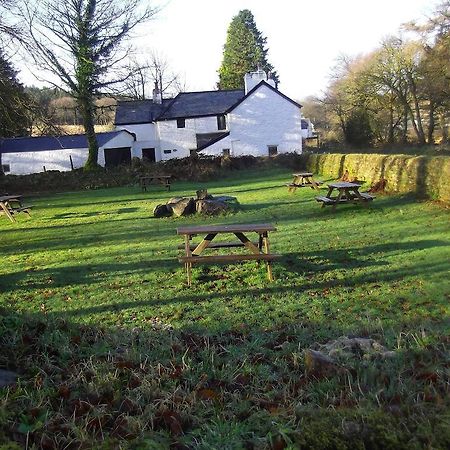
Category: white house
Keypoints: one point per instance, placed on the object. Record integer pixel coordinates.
(258, 121)
(20, 156)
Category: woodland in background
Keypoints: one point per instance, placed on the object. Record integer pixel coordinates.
(397, 94)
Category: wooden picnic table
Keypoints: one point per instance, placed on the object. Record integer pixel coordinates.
(259, 250)
(302, 179)
(145, 181)
(347, 192)
(11, 205)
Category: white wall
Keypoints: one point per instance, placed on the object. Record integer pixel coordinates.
(122, 140)
(146, 137)
(32, 162)
(22, 163)
(265, 118)
(183, 139)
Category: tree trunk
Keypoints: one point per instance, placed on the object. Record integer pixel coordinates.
(405, 125)
(391, 124)
(87, 113)
(431, 123)
(416, 118)
(444, 127)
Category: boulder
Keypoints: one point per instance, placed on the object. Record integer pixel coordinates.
(226, 199)
(202, 194)
(183, 207)
(162, 211)
(319, 365)
(211, 207)
(355, 348)
(174, 200)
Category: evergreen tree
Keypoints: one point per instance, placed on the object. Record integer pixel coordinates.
(244, 51)
(14, 119)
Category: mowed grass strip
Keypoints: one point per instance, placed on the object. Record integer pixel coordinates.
(97, 315)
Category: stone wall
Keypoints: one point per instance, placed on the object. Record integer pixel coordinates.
(426, 176)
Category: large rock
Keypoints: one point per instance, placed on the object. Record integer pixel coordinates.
(355, 348)
(7, 378)
(211, 207)
(232, 201)
(202, 194)
(162, 211)
(319, 365)
(183, 207)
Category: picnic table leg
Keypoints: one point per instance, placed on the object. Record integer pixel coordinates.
(359, 197)
(188, 265)
(330, 190)
(267, 251)
(338, 198)
(6, 211)
(314, 185)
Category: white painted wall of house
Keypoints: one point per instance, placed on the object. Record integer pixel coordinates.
(23, 163)
(183, 139)
(265, 118)
(146, 137)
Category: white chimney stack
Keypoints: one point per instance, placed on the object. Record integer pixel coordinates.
(251, 79)
(157, 97)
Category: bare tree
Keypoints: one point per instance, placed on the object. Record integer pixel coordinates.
(83, 45)
(154, 69)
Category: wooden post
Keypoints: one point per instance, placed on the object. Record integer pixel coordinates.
(187, 264)
(45, 170)
(267, 251)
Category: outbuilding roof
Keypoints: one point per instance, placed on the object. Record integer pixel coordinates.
(43, 143)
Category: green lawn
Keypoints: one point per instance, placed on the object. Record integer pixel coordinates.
(115, 351)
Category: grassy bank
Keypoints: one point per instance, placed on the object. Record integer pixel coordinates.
(115, 351)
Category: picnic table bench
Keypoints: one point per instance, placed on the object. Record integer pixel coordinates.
(347, 192)
(145, 181)
(259, 251)
(303, 179)
(11, 205)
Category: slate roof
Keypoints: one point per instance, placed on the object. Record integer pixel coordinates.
(206, 139)
(139, 111)
(185, 105)
(201, 104)
(43, 143)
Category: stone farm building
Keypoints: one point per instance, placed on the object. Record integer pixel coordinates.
(258, 120)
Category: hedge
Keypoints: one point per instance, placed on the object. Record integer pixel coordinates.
(425, 176)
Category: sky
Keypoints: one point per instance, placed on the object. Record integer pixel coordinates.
(304, 38)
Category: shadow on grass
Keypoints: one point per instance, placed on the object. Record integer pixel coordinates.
(89, 372)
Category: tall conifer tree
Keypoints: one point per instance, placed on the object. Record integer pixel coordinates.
(244, 51)
(14, 119)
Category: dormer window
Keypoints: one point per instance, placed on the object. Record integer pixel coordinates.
(222, 122)
(181, 123)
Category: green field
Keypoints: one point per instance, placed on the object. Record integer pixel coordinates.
(114, 350)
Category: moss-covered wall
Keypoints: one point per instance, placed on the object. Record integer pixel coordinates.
(426, 176)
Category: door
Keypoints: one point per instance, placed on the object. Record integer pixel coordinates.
(117, 156)
(149, 154)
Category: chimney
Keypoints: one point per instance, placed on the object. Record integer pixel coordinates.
(157, 96)
(251, 79)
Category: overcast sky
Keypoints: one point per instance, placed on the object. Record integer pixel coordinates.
(304, 37)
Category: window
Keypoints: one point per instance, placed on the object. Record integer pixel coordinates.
(166, 152)
(181, 123)
(6, 168)
(226, 153)
(273, 150)
(221, 122)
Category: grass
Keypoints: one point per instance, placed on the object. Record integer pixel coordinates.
(115, 351)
